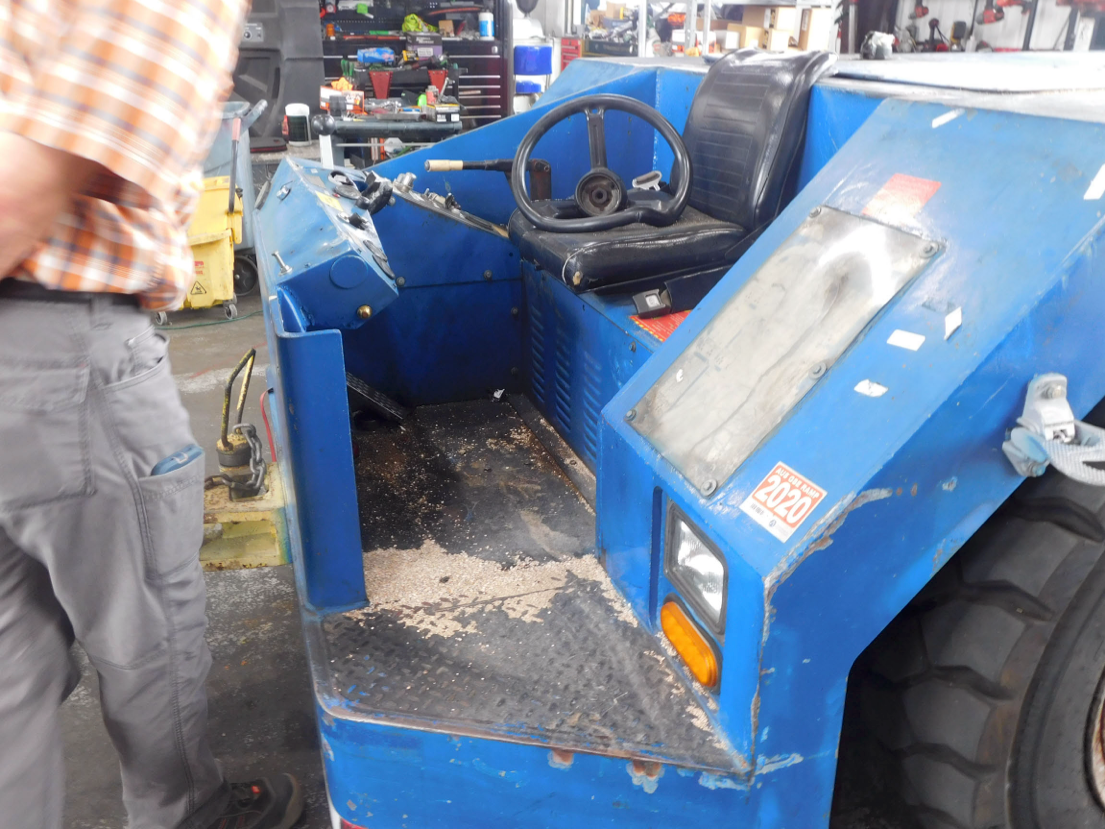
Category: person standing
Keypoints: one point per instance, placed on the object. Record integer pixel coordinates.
(108, 108)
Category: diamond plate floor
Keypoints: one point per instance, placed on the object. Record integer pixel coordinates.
(488, 612)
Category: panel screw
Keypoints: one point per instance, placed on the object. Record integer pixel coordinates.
(400, 282)
(514, 312)
(1053, 391)
(815, 212)
(709, 487)
(632, 413)
(364, 312)
(930, 249)
(487, 275)
(391, 202)
(817, 370)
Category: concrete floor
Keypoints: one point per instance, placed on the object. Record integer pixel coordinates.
(261, 716)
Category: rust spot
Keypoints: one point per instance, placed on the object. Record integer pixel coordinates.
(898, 491)
(561, 759)
(913, 490)
(645, 774)
(756, 710)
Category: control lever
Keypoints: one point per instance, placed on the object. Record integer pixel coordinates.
(540, 172)
(375, 198)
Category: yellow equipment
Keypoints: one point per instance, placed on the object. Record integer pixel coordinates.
(212, 234)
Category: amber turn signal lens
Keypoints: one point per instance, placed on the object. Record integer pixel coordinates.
(689, 643)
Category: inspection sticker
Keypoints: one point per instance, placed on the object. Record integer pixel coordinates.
(782, 501)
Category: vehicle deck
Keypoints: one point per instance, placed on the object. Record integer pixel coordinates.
(488, 612)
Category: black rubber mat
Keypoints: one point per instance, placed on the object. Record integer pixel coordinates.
(489, 614)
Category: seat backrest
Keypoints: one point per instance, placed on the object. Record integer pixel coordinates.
(745, 130)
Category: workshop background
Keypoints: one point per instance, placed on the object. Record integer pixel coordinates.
(395, 75)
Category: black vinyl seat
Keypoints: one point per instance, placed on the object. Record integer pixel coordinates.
(744, 134)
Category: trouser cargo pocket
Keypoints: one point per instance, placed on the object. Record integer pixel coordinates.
(173, 506)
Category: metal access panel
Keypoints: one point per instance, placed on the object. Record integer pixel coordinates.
(330, 272)
(774, 339)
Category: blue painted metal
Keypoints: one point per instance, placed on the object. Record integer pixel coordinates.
(909, 475)
(379, 775)
(836, 112)
(455, 334)
(579, 351)
(308, 379)
(331, 271)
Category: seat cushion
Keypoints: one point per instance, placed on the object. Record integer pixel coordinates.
(586, 261)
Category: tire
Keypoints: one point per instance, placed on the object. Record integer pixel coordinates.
(245, 275)
(984, 695)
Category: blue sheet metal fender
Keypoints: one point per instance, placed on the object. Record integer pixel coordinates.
(896, 439)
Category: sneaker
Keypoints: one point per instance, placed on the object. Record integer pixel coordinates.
(268, 803)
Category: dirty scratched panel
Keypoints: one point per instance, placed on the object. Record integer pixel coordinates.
(488, 612)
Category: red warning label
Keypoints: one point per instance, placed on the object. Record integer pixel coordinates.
(661, 327)
(901, 198)
(782, 501)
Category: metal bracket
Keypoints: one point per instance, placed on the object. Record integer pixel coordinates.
(1048, 433)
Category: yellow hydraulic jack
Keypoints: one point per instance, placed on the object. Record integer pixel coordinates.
(243, 504)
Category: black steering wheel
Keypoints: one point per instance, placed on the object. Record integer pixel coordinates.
(601, 194)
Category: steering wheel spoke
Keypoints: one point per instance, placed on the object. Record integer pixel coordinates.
(596, 136)
(601, 193)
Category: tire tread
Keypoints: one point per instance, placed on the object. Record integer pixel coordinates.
(1008, 587)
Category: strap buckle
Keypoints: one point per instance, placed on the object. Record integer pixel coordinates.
(1047, 433)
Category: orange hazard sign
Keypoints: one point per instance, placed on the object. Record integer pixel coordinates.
(782, 501)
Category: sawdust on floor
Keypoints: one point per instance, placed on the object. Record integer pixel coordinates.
(442, 593)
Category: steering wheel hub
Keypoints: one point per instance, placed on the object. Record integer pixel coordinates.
(601, 192)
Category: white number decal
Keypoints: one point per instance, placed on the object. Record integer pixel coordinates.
(785, 501)
(792, 498)
(799, 510)
(778, 495)
(773, 482)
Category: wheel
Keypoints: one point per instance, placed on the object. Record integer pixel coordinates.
(161, 318)
(986, 694)
(245, 275)
(231, 310)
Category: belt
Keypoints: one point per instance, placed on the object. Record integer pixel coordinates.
(18, 289)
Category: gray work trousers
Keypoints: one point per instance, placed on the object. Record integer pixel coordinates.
(92, 546)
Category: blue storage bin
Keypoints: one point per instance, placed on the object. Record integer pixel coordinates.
(526, 87)
(533, 60)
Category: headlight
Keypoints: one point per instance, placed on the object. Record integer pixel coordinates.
(696, 568)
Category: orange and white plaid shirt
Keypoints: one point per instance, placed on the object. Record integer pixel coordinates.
(137, 86)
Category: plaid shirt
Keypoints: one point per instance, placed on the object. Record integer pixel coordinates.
(137, 86)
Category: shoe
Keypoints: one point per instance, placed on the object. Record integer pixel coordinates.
(268, 803)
